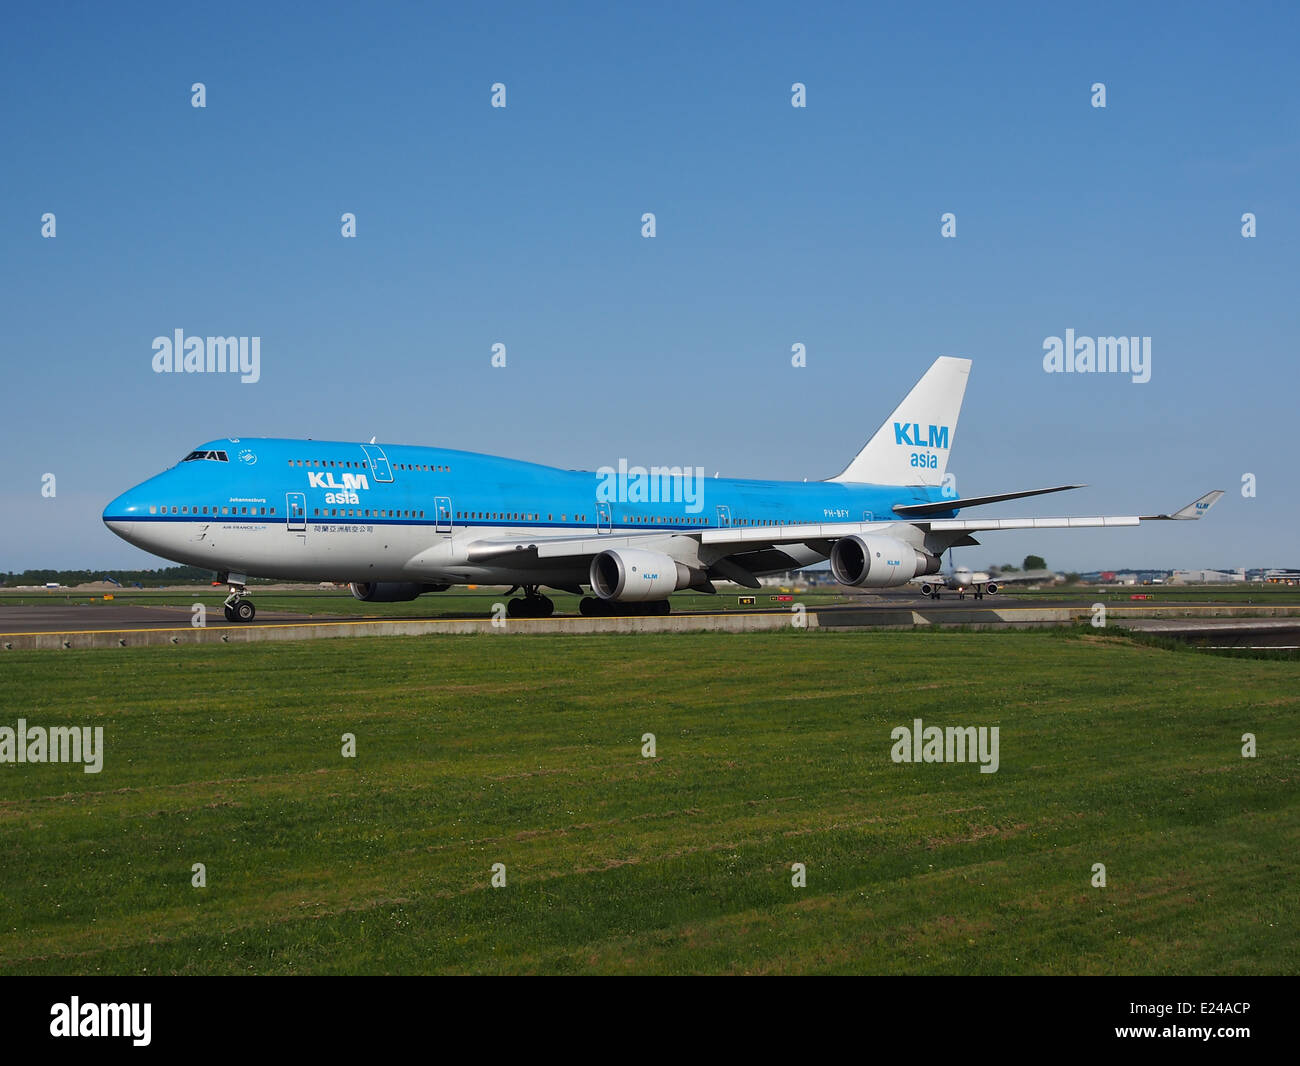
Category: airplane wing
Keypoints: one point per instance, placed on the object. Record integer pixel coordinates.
(1192, 511)
(1022, 577)
(717, 545)
(918, 510)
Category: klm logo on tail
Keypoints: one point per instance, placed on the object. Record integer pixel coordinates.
(910, 435)
(924, 427)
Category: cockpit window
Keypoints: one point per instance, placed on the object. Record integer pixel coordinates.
(218, 457)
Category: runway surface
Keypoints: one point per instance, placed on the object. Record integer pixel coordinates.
(115, 618)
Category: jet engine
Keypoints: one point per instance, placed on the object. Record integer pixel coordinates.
(878, 562)
(634, 575)
(391, 591)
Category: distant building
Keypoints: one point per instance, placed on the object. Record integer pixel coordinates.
(1280, 576)
(1206, 577)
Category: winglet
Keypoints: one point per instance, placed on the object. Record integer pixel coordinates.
(1192, 511)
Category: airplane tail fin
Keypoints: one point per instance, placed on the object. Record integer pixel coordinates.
(911, 448)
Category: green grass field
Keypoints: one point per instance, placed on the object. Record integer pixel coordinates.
(772, 749)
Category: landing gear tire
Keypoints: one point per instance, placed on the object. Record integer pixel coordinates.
(238, 609)
(533, 605)
(590, 607)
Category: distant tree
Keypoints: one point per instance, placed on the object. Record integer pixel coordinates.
(1007, 568)
(171, 575)
(1035, 562)
(1072, 578)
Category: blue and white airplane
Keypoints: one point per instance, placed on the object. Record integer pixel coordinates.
(398, 521)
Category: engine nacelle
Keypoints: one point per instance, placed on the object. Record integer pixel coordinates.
(991, 588)
(391, 591)
(878, 562)
(634, 575)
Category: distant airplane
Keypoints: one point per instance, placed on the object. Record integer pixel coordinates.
(963, 578)
(397, 521)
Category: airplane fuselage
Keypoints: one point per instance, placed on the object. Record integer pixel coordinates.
(337, 511)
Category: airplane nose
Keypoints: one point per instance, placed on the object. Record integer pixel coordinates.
(120, 515)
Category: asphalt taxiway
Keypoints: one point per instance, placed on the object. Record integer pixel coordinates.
(124, 625)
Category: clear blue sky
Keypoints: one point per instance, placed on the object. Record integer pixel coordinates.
(776, 225)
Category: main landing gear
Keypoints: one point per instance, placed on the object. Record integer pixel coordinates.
(533, 605)
(597, 608)
(239, 609)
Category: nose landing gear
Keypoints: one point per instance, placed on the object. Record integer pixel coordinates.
(237, 608)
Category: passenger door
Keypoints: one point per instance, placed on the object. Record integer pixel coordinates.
(295, 506)
(379, 464)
